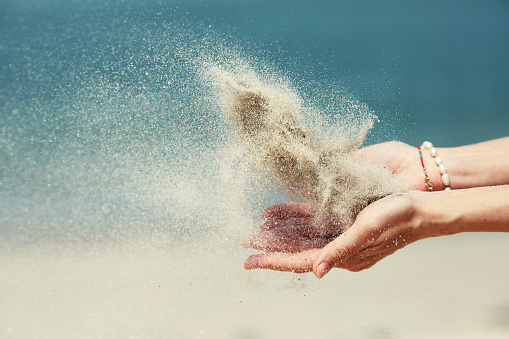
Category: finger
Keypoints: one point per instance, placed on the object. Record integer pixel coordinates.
(271, 224)
(283, 242)
(384, 247)
(352, 262)
(342, 248)
(363, 264)
(354, 265)
(305, 226)
(378, 249)
(362, 267)
(292, 210)
(299, 262)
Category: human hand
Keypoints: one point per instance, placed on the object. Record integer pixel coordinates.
(288, 238)
(292, 245)
(403, 161)
(292, 241)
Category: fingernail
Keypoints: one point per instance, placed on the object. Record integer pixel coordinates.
(322, 270)
(252, 262)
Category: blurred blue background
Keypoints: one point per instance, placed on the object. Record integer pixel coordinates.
(440, 67)
(95, 95)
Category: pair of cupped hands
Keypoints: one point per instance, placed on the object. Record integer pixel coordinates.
(292, 243)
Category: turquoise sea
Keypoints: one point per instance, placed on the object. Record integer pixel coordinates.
(96, 94)
(110, 131)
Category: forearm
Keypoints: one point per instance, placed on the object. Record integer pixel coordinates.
(473, 210)
(477, 165)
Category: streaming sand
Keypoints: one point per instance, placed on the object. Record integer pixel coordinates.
(270, 122)
(452, 287)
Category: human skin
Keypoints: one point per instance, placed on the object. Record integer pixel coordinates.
(477, 165)
(291, 244)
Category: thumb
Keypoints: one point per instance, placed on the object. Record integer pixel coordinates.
(342, 248)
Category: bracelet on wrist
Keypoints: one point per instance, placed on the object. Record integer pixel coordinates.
(427, 180)
(446, 180)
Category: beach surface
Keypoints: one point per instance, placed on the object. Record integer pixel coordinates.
(452, 287)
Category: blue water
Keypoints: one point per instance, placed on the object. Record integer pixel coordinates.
(104, 119)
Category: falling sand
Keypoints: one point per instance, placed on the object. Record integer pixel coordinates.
(269, 121)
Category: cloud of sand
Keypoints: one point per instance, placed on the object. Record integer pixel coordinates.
(269, 121)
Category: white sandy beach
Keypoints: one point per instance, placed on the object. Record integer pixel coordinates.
(452, 287)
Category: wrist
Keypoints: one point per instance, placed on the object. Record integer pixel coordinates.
(426, 218)
(477, 165)
(461, 166)
(436, 173)
(466, 166)
(435, 215)
(482, 209)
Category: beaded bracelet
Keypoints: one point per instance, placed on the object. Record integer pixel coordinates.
(427, 180)
(438, 161)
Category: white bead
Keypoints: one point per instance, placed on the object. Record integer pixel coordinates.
(438, 161)
(433, 152)
(445, 179)
(427, 145)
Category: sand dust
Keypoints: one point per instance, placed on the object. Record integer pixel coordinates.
(269, 121)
